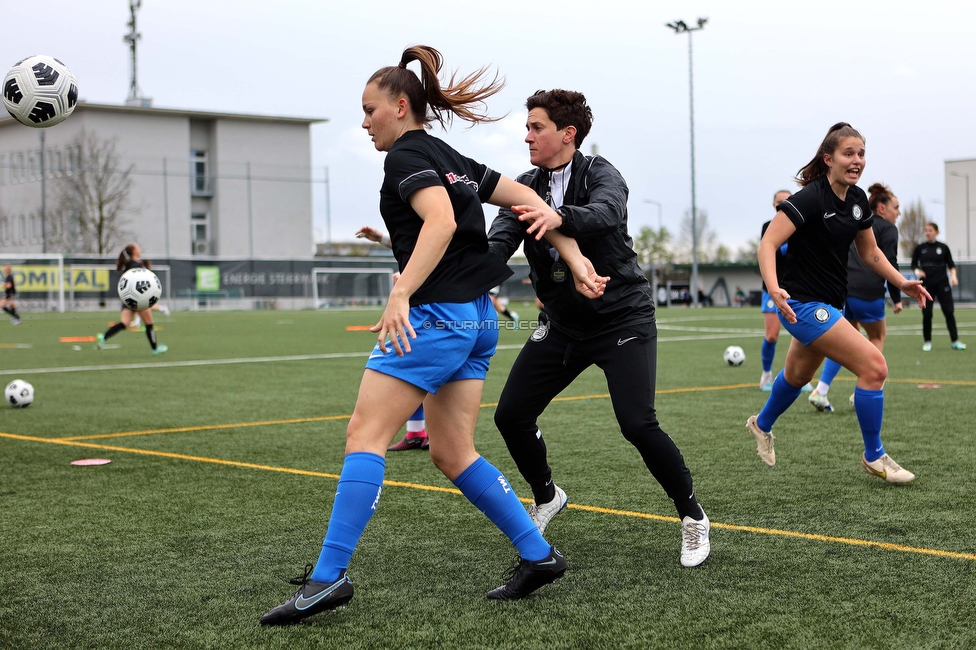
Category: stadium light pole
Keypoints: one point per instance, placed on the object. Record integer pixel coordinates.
(660, 218)
(966, 176)
(680, 27)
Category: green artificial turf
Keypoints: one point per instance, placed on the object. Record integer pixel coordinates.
(221, 485)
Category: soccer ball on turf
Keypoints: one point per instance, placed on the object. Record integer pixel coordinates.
(139, 289)
(19, 394)
(734, 355)
(40, 91)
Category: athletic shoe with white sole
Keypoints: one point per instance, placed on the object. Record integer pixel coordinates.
(850, 400)
(927, 346)
(820, 402)
(886, 468)
(99, 341)
(766, 386)
(807, 388)
(541, 515)
(956, 345)
(525, 576)
(764, 441)
(161, 348)
(310, 599)
(695, 546)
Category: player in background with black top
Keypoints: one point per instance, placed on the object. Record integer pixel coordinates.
(9, 301)
(929, 262)
(865, 305)
(131, 258)
(771, 313)
(442, 326)
(820, 222)
(616, 332)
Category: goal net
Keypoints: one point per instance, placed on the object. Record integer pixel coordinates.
(39, 279)
(344, 287)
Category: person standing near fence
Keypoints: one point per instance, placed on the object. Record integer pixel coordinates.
(9, 301)
(930, 261)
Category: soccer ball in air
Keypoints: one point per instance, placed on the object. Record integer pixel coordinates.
(40, 91)
(734, 355)
(19, 394)
(139, 289)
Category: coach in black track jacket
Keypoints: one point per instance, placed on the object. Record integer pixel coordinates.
(616, 332)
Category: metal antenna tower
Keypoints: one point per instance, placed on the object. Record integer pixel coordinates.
(135, 97)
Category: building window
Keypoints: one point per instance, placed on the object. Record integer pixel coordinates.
(200, 184)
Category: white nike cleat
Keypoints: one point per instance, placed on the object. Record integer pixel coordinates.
(764, 441)
(695, 545)
(886, 468)
(542, 514)
(820, 402)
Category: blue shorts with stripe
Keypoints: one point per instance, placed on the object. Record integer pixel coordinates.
(864, 311)
(454, 341)
(812, 320)
(768, 306)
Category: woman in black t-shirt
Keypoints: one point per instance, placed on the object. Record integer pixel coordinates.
(820, 222)
(131, 258)
(9, 300)
(930, 260)
(441, 325)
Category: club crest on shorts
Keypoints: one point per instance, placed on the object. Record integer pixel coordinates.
(770, 304)
(857, 212)
(540, 333)
(822, 315)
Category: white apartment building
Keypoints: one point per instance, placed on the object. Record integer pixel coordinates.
(960, 203)
(203, 184)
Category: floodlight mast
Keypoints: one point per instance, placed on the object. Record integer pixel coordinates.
(680, 27)
(131, 38)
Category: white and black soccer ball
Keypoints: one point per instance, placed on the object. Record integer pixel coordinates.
(734, 355)
(40, 91)
(139, 289)
(19, 394)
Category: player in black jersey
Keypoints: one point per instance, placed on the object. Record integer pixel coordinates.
(442, 327)
(866, 289)
(131, 258)
(820, 222)
(617, 333)
(771, 313)
(9, 301)
(930, 260)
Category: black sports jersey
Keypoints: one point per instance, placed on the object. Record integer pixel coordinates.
(780, 255)
(467, 270)
(816, 261)
(932, 259)
(9, 288)
(864, 283)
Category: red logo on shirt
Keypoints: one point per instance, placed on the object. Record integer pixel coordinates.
(453, 178)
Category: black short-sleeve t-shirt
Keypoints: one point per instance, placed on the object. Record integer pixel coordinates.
(816, 259)
(468, 269)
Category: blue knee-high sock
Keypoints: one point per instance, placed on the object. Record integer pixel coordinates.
(487, 489)
(418, 414)
(780, 398)
(830, 370)
(357, 496)
(768, 352)
(869, 406)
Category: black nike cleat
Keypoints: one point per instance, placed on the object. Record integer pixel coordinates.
(525, 577)
(313, 597)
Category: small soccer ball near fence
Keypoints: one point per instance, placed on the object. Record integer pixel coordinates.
(40, 91)
(19, 394)
(734, 355)
(139, 289)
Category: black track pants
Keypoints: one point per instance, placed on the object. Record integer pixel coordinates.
(941, 290)
(628, 357)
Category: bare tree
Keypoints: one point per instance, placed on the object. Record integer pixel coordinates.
(92, 196)
(706, 238)
(911, 227)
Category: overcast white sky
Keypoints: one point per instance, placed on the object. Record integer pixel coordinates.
(770, 78)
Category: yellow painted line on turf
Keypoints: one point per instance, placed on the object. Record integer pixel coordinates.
(433, 488)
(203, 427)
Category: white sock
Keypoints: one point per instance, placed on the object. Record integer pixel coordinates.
(822, 388)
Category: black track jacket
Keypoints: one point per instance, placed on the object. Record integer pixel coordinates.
(594, 213)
